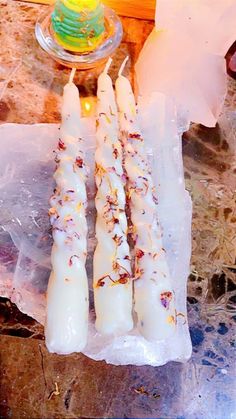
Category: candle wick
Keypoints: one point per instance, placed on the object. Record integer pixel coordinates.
(72, 75)
(123, 66)
(108, 64)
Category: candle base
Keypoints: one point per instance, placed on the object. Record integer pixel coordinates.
(111, 40)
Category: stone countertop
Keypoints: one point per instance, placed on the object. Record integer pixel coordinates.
(35, 384)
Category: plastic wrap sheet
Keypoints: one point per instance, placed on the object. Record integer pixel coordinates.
(26, 183)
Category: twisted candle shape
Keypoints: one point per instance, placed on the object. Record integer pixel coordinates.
(67, 302)
(112, 271)
(154, 298)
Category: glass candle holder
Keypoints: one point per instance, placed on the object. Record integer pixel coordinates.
(72, 40)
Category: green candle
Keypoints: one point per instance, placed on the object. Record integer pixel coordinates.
(78, 25)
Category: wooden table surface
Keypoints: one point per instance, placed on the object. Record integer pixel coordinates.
(131, 8)
(30, 92)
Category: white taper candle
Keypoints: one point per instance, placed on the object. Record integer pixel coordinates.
(153, 294)
(112, 271)
(67, 297)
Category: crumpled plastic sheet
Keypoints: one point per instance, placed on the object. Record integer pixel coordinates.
(26, 183)
(183, 57)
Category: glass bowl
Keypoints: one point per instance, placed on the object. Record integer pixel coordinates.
(112, 38)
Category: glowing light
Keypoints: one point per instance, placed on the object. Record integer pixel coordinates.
(87, 106)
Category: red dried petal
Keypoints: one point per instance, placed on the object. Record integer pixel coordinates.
(123, 279)
(134, 135)
(71, 259)
(100, 283)
(61, 145)
(79, 162)
(115, 153)
(139, 253)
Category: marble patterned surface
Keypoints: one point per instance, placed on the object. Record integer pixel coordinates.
(35, 384)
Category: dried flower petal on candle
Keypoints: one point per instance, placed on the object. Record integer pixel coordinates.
(139, 253)
(166, 298)
(67, 302)
(112, 280)
(79, 162)
(150, 260)
(71, 259)
(61, 145)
